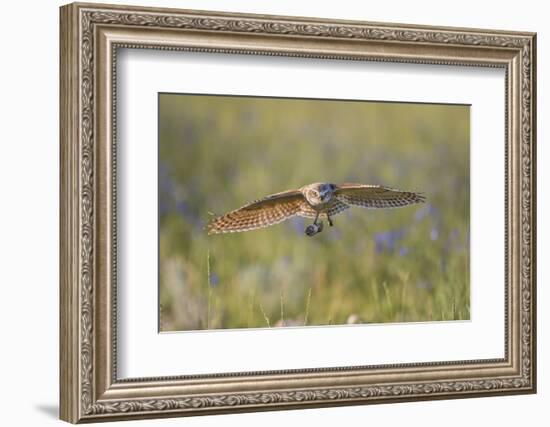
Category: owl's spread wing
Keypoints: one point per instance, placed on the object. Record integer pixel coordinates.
(375, 196)
(260, 213)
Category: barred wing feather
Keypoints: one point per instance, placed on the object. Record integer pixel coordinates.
(375, 196)
(259, 214)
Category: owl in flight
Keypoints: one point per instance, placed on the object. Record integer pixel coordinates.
(318, 200)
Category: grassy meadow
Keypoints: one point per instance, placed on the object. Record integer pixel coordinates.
(217, 153)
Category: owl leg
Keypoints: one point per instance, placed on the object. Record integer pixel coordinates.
(316, 218)
(329, 220)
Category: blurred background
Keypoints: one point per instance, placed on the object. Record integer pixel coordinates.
(217, 153)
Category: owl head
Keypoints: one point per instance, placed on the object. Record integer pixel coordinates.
(319, 193)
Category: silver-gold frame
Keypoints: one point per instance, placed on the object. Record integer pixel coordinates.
(90, 37)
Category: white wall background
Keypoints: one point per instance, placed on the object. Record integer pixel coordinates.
(29, 171)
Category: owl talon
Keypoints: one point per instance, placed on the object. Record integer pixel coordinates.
(313, 229)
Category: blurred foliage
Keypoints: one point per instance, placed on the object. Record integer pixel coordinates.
(217, 153)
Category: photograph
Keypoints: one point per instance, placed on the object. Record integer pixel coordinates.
(292, 212)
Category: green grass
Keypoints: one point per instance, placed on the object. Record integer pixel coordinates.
(401, 265)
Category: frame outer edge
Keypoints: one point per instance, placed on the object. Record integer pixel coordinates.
(69, 354)
(78, 224)
(533, 208)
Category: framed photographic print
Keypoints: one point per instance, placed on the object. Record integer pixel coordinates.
(265, 212)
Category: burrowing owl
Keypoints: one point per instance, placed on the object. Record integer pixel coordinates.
(318, 200)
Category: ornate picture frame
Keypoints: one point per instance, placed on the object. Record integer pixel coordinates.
(90, 37)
